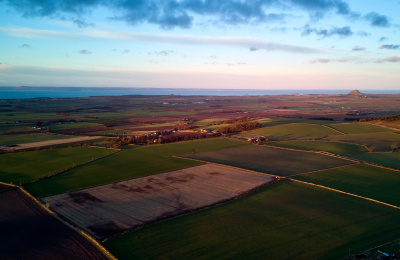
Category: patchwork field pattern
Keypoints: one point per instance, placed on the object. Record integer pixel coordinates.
(293, 131)
(386, 159)
(359, 128)
(332, 147)
(271, 160)
(110, 209)
(12, 170)
(132, 162)
(378, 142)
(284, 220)
(363, 180)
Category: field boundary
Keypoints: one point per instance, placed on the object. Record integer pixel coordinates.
(332, 128)
(33, 145)
(193, 210)
(229, 166)
(81, 232)
(69, 168)
(337, 167)
(316, 152)
(347, 193)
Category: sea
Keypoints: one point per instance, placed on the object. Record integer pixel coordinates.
(71, 92)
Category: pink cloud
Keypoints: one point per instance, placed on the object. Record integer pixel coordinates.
(390, 59)
(330, 60)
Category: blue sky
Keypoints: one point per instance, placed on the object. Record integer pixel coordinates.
(220, 44)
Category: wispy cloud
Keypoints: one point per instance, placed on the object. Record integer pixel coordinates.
(382, 39)
(336, 31)
(82, 23)
(85, 51)
(25, 46)
(389, 47)
(393, 59)
(358, 48)
(163, 52)
(324, 61)
(243, 42)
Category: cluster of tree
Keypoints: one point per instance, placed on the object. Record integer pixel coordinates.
(383, 118)
(235, 120)
(56, 121)
(157, 139)
(240, 126)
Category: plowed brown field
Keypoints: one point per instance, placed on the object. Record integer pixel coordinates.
(28, 232)
(106, 210)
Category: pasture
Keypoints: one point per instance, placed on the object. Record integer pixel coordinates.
(359, 128)
(292, 131)
(134, 162)
(387, 159)
(361, 179)
(110, 209)
(271, 160)
(331, 147)
(284, 220)
(23, 167)
(377, 142)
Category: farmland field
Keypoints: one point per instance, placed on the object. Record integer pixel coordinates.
(109, 209)
(29, 232)
(364, 180)
(284, 220)
(11, 128)
(332, 147)
(393, 124)
(271, 160)
(24, 167)
(387, 159)
(131, 163)
(359, 128)
(55, 142)
(378, 142)
(72, 126)
(291, 131)
(30, 138)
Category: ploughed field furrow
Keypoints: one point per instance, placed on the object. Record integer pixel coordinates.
(28, 232)
(107, 210)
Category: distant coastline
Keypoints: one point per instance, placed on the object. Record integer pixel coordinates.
(65, 92)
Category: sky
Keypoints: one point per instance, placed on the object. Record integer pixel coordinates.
(213, 44)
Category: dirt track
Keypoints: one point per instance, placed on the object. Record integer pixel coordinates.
(110, 209)
(29, 232)
(53, 142)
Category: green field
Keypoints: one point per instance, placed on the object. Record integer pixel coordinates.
(131, 163)
(30, 138)
(387, 159)
(72, 126)
(332, 147)
(378, 142)
(271, 160)
(11, 128)
(291, 132)
(359, 128)
(364, 180)
(27, 116)
(285, 220)
(23, 167)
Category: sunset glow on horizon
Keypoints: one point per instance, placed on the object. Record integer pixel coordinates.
(217, 44)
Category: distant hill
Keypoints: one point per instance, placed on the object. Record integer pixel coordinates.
(355, 93)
